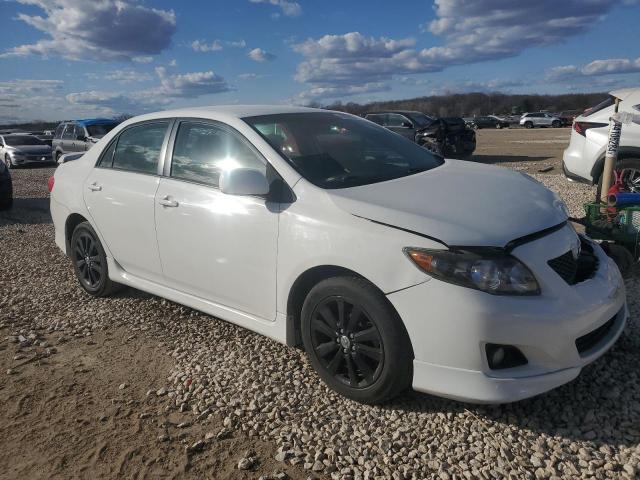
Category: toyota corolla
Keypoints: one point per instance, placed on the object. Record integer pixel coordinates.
(392, 267)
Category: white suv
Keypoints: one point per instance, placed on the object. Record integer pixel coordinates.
(540, 119)
(583, 160)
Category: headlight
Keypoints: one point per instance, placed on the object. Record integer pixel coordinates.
(15, 154)
(492, 272)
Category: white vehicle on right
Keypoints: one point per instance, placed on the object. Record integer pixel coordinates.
(583, 159)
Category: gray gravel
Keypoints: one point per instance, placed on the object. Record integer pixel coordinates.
(587, 429)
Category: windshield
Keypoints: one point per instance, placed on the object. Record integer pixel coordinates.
(18, 140)
(99, 131)
(336, 150)
(420, 119)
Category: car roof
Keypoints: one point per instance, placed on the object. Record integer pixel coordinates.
(625, 92)
(96, 121)
(401, 112)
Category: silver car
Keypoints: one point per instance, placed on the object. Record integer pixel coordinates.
(540, 119)
(22, 149)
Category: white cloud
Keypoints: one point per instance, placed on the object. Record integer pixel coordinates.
(260, 55)
(97, 30)
(471, 31)
(29, 87)
(288, 8)
(318, 93)
(121, 76)
(203, 46)
(143, 59)
(611, 66)
(249, 76)
(171, 88)
(238, 44)
(192, 84)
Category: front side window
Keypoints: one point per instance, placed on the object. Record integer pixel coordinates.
(69, 132)
(336, 150)
(203, 151)
(378, 118)
(138, 148)
(396, 120)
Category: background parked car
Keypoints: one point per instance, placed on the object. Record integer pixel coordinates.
(45, 137)
(540, 119)
(6, 187)
(583, 160)
(568, 116)
(450, 136)
(22, 149)
(79, 135)
(489, 121)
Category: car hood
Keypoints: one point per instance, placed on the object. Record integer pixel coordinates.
(31, 149)
(459, 203)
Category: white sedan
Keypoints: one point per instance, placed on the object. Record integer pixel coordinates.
(393, 267)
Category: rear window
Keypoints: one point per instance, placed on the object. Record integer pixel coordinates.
(100, 130)
(601, 106)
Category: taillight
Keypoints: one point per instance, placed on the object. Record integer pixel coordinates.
(582, 127)
(50, 182)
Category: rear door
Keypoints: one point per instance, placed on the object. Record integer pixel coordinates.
(120, 196)
(68, 137)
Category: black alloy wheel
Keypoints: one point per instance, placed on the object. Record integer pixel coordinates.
(346, 342)
(355, 340)
(628, 171)
(90, 262)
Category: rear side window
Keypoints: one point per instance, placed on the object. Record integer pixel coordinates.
(378, 118)
(59, 131)
(106, 159)
(138, 148)
(601, 106)
(203, 151)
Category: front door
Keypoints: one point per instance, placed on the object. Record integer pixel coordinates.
(120, 196)
(222, 248)
(401, 125)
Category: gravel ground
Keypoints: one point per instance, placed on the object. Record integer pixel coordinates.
(589, 428)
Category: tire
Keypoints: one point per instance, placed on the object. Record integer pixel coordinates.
(528, 125)
(7, 202)
(363, 353)
(498, 126)
(57, 157)
(556, 124)
(631, 164)
(90, 262)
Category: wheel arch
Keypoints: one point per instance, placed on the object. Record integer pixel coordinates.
(623, 152)
(70, 225)
(301, 288)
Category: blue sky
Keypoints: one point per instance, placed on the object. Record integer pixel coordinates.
(77, 58)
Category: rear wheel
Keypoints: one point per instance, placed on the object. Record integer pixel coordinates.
(628, 171)
(90, 262)
(528, 125)
(355, 340)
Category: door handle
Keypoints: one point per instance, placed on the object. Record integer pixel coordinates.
(167, 202)
(94, 187)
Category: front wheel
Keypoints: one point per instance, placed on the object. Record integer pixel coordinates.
(90, 262)
(556, 124)
(8, 162)
(628, 173)
(528, 125)
(355, 340)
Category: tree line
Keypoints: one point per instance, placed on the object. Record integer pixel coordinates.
(474, 104)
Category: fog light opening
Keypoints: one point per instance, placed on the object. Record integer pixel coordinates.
(500, 357)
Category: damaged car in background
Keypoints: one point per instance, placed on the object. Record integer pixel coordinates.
(449, 137)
